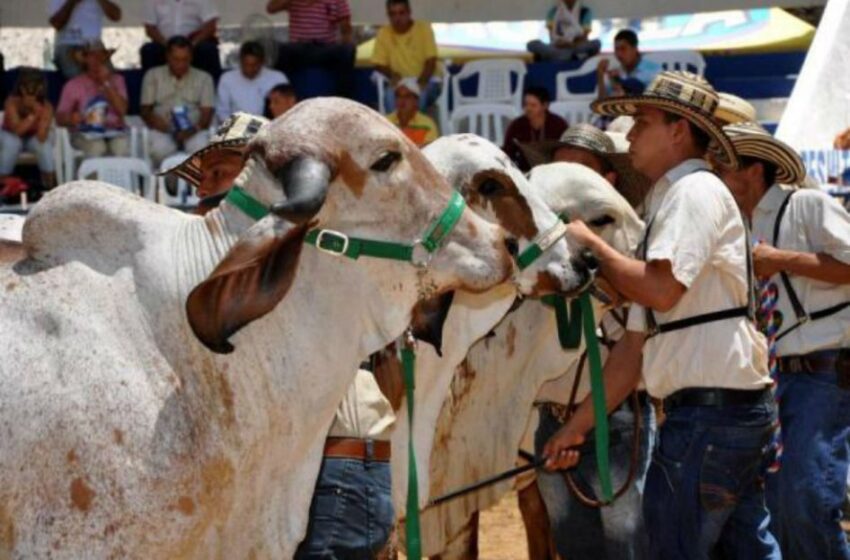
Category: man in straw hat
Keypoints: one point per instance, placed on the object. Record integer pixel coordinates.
(690, 329)
(805, 252)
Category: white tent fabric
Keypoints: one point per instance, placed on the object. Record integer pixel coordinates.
(25, 13)
(819, 107)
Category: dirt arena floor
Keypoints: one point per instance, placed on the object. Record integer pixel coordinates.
(502, 535)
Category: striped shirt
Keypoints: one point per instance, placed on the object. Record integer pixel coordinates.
(316, 20)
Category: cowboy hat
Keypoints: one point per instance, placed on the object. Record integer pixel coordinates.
(751, 140)
(233, 134)
(732, 109)
(681, 93)
(610, 146)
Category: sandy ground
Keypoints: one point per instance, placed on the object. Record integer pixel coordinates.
(502, 535)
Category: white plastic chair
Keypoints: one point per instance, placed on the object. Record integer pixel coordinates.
(691, 61)
(494, 82)
(122, 172)
(185, 193)
(574, 112)
(484, 119)
(562, 79)
(65, 155)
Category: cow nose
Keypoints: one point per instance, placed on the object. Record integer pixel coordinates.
(512, 246)
(585, 264)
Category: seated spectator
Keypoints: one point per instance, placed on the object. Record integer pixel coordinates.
(77, 22)
(568, 22)
(635, 72)
(27, 122)
(245, 88)
(416, 125)
(281, 99)
(177, 103)
(320, 34)
(197, 20)
(407, 49)
(535, 125)
(93, 106)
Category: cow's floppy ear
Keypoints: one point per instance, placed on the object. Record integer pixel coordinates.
(248, 283)
(429, 316)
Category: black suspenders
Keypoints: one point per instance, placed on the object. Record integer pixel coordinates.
(653, 328)
(802, 316)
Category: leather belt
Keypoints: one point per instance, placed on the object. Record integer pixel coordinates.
(360, 449)
(717, 398)
(821, 361)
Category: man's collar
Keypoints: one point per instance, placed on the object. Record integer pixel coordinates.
(685, 168)
(772, 199)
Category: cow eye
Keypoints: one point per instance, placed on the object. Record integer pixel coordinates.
(490, 187)
(602, 221)
(386, 161)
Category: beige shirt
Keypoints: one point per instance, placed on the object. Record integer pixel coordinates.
(162, 90)
(364, 413)
(179, 17)
(814, 222)
(696, 225)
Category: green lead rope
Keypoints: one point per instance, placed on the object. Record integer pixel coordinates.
(411, 523)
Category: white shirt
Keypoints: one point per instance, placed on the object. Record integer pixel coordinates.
(567, 23)
(179, 17)
(697, 227)
(364, 413)
(814, 222)
(85, 23)
(238, 93)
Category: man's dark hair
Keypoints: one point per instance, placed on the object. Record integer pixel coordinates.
(701, 137)
(769, 168)
(541, 93)
(628, 36)
(284, 89)
(178, 42)
(252, 48)
(391, 3)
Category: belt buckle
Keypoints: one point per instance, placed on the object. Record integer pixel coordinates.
(333, 237)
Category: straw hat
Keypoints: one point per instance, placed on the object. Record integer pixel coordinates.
(233, 134)
(610, 146)
(96, 45)
(732, 109)
(751, 140)
(681, 93)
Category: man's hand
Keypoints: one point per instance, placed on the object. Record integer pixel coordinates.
(76, 118)
(560, 451)
(184, 135)
(766, 261)
(602, 67)
(395, 78)
(581, 234)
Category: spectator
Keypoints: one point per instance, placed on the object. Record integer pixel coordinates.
(177, 103)
(197, 20)
(536, 125)
(419, 127)
(281, 99)
(245, 88)
(568, 22)
(635, 71)
(320, 35)
(77, 22)
(406, 49)
(93, 106)
(27, 121)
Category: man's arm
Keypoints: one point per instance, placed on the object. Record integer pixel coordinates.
(768, 261)
(204, 32)
(275, 6)
(345, 30)
(205, 118)
(621, 375)
(155, 35)
(110, 9)
(428, 71)
(60, 19)
(152, 120)
(114, 98)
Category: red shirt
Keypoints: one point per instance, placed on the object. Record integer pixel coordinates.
(316, 20)
(520, 131)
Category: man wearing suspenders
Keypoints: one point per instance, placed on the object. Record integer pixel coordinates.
(805, 252)
(691, 331)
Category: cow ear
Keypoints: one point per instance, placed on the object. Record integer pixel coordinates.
(429, 316)
(248, 283)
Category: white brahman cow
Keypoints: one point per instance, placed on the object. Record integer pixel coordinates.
(121, 434)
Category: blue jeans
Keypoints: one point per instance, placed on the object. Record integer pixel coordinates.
(806, 495)
(614, 532)
(351, 516)
(11, 146)
(428, 97)
(704, 494)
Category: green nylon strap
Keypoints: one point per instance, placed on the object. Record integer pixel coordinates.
(411, 524)
(440, 229)
(531, 253)
(569, 323)
(354, 248)
(597, 391)
(247, 203)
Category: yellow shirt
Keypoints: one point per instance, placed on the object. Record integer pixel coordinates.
(421, 129)
(405, 53)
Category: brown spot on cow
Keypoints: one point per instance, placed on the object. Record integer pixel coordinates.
(227, 398)
(546, 284)
(511, 339)
(186, 505)
(7, 532)
(352, 174)
(11, 251)
(118, 436)
(508, 204)
(81, 495)
(71, 457)
(11, 286)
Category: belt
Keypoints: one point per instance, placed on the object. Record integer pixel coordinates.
(360, 449)
(562, 412)
(717, 398)
(823, 360)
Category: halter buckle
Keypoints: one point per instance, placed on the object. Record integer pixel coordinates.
(425, 254)
(332, 242)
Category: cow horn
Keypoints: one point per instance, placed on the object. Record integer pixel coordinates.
(305, 181)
